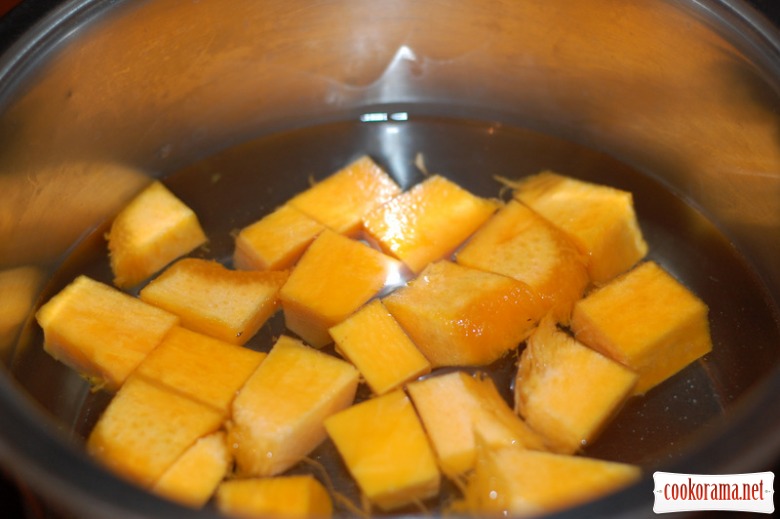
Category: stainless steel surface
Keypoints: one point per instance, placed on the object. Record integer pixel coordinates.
(101, 96)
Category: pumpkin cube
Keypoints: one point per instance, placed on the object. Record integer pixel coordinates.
(377, 345)
(567, 392)
(154, 229)
(457, 409)
(340, 200)
(278, 415)
(519, 243)
(230, 305)
(647, 321)
(385, 449)
(196, 474)
(516, 482)
(600, 219)
(101, 332)
(428, 222)
(460, 316)
(147, 427)
(276, 241)
(284, 497)
(201, 367)
(335, 277)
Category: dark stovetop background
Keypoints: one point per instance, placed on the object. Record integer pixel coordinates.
(16, 16)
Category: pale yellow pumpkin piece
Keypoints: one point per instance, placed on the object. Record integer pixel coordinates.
(519, 243)
(428, 222)
(385, 449)
(457, 408)
(335, 277)
(646, 320)
(459, 316)
(201, 367)
(516, 482)
(340, 200)
(147, 427)
(101, 332)
(230, 305)
(278, 415)
(601, 220)
(276, 241)
(377, 345)
(154, 229)
(196, 474)
(567, 392)
(283, 497)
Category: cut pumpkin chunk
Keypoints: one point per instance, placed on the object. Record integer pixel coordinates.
(601, 220)
(647, 321)
(460, 316)
(147, 427)
(196, 474)
(335, 277)
(519, 243)
(276, 241)
(428, 222)
(101, 332)
(154, 229)
(457, 409)
(515, 482)
(283, 497)
(567, 392)
(340, 200)
(230, 305)
(19, 288)
(385, 449)
(377, 345)
(278, 415)
(201, 367)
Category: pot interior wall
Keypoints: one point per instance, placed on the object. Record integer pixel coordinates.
(654, 97)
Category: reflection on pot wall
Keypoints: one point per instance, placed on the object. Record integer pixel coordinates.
(18, 290)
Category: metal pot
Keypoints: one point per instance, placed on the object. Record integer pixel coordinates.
(676, 100)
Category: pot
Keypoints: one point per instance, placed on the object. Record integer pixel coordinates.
(677, 101)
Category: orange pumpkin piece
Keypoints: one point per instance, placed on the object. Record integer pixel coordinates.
(276, 241)
(283, 497)
(147, 427)
(278, 415)
(200, 367)
(230, 305)
(601, 220)
(647, 321)
(460, 316)
(457, 409)
(428, 222)
(101, 332)
(385, 449)
(335, 277)
(567, 392)
(517, 482)
(154, 229)
(196, 474)
(377, 345)
(340, 200)
(519, 243)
